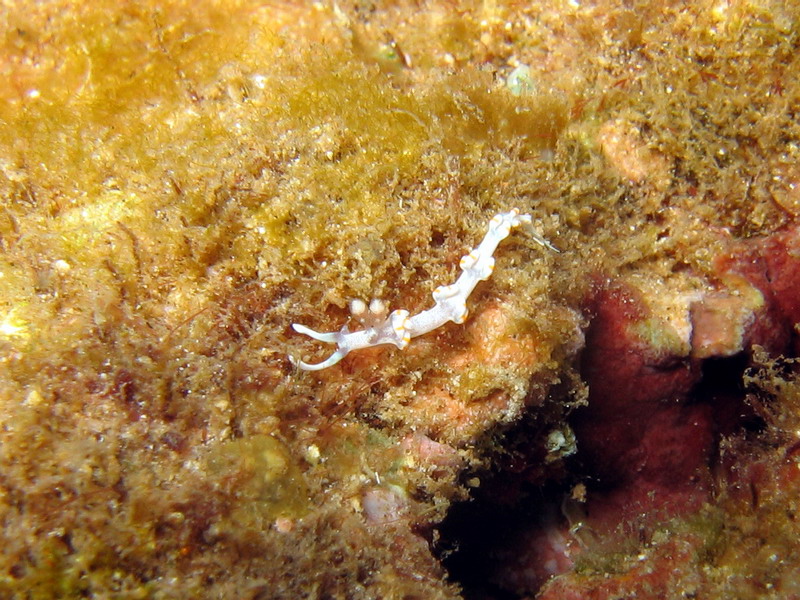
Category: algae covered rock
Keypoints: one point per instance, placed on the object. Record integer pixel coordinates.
(180, 182)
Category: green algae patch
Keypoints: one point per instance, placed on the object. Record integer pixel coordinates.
(268, 485)
(368, 134)
(659, 337)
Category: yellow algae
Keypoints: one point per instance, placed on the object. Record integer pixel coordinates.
(270, 485)
(181, 181)
(13, 326)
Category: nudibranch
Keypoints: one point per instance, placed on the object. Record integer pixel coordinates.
(450, 301)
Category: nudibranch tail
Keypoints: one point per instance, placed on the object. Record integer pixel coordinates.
(450, 300)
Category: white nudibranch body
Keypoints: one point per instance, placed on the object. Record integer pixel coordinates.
(450, 301)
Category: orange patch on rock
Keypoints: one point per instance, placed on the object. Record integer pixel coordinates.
(496, 344)
(626, 150)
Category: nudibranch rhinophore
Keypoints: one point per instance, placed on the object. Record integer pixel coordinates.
(450, 301)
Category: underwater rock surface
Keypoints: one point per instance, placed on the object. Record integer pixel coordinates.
(181, 181)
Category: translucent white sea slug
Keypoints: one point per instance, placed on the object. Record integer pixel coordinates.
(450, 301)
